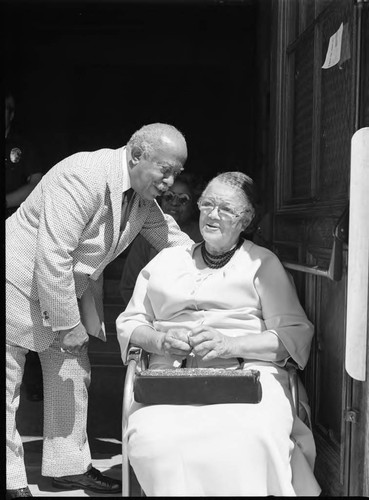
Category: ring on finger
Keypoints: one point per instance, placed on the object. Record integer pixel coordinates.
(66, 350)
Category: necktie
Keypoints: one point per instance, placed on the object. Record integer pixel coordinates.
(126, 208)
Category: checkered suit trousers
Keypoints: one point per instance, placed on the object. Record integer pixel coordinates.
(65, 450)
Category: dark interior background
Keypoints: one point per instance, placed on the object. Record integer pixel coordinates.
(87, 74)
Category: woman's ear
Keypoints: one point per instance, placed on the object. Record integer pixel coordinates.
(246, 226)
(136, 154)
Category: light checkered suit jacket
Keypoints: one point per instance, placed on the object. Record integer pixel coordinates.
(68, 229)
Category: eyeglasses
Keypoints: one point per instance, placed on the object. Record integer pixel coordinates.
(225, 212)
(182, 198)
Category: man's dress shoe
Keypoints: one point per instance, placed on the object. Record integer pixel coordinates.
(91, 480)
(19, 493)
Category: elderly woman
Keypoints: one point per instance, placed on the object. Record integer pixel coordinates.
(224, 299)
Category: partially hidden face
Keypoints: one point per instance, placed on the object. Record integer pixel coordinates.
(150, 177)
(221, 221)
(178, 203)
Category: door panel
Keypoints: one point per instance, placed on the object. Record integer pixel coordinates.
(326, 380)
(315, 112)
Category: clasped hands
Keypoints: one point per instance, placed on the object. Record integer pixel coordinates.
(203, 341)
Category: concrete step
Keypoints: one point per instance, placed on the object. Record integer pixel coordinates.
(105, 401)
(111, 345)
(111, 312)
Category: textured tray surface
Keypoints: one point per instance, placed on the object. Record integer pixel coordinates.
(197, 386)
(199, 372)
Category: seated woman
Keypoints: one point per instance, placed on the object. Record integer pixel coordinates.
(224, 299)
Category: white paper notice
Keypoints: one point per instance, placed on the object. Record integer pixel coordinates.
(334, 49)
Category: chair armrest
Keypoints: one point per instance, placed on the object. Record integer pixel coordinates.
(139, 356)
(294, 385)
(133, 362)
(137, 360)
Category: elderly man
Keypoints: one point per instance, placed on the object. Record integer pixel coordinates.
(85, 211)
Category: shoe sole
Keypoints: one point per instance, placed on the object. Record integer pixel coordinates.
(74, 486)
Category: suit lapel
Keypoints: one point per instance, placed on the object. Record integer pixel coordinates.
(115, 187)
(115, 184)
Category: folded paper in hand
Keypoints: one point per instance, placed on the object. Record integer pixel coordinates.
(89, 316)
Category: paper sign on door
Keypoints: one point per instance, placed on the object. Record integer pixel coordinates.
(334, 49)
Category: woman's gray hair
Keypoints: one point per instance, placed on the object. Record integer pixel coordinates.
(150, 137)
(245, 184)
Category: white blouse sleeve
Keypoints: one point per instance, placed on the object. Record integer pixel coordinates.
(281, 309)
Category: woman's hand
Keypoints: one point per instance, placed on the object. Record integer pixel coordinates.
(176, 343)
(208, 343)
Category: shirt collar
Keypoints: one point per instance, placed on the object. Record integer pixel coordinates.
(126, 176)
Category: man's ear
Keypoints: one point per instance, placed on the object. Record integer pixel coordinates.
(136, 154)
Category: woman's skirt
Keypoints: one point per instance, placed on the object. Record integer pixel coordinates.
(225, 449)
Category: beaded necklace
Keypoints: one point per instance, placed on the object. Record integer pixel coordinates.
(217, 261)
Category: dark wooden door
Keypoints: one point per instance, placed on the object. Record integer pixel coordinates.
(318, 102)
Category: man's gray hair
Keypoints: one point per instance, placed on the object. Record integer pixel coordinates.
(150, 137)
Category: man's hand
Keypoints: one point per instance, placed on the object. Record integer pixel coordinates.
(209, 344)
(74, 341)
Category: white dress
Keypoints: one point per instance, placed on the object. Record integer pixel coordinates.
(223, 449)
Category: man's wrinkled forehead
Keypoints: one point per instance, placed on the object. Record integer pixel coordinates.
(169, 157)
